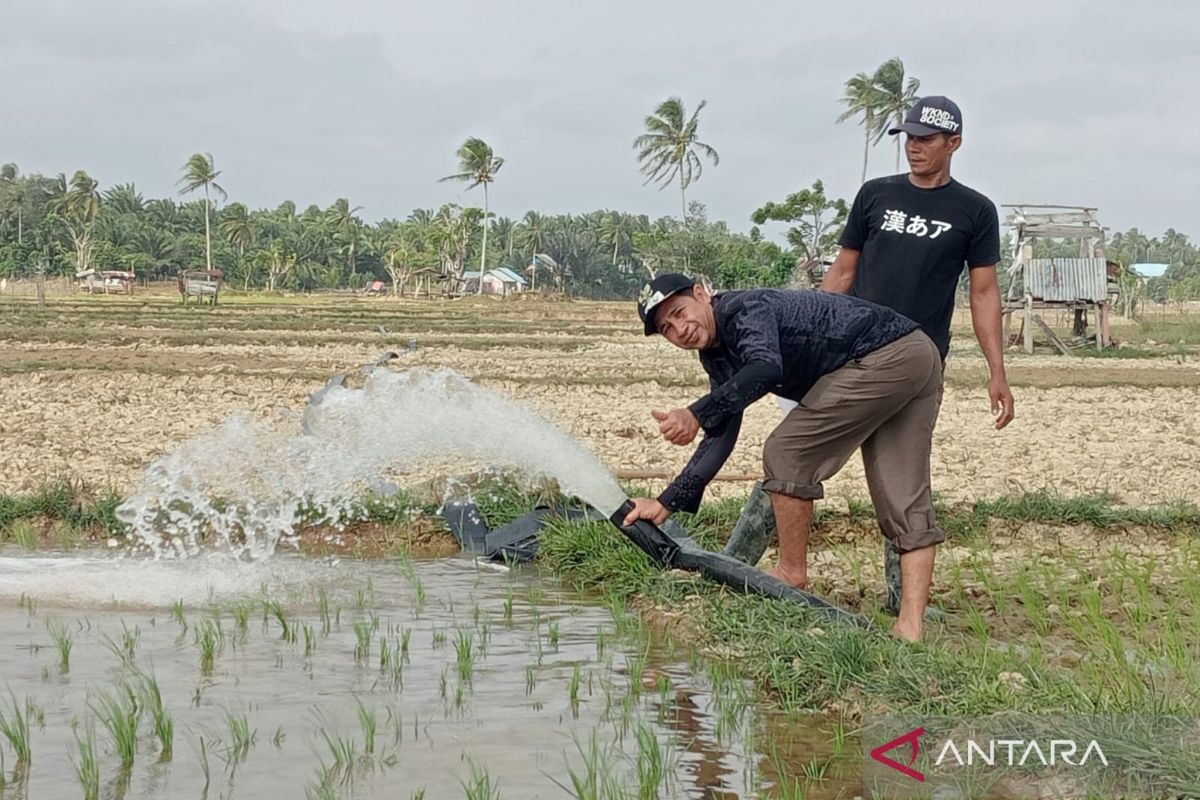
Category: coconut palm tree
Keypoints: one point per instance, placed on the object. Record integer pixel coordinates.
(477, 166)
(199, 172)
(238, 229)
(862, 96)
(347, 228)
(79, 206)
(896, 96)
(670, 148)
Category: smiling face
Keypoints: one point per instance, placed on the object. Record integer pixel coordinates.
(686, 319)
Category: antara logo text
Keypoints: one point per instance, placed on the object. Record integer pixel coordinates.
(989, 752)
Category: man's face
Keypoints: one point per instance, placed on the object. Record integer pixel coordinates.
(929, 155)
(686, 319)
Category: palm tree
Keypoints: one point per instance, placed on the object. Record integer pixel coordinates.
(238, 229)
(346, 227)
(615, 231)
(531, 235)
(199, 172)
(669, 147)
(124, 198)
(863, 97)
(477, 166)
(79, 207)
(896, 97)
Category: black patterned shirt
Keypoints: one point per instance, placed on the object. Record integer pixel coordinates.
(777, 341)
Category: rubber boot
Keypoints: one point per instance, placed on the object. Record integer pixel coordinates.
(755, 528)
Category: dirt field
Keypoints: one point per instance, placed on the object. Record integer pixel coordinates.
(94, 388)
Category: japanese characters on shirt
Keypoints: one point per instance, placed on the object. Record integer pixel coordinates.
(900, 222)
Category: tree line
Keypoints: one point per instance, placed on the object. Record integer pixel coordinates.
(65, 226)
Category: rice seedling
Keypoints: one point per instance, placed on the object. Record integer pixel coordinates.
(241, 619)
(597, 781)
(573, 688)
(815, 771)
(62, 643)
(87, 766)
(405, 637)
(210, 641)
(508, 607)
(439, 638)
(367, 719)
(125, 648)
(786, 786)
(552, 636)
(464, 654)
(530, 679)
(837, 734)
(279, 737)
(202, 749)
(480, 785)
(362, 636)
(323, 610)
(287, 628)
(651, 764)
(14, 727)
(418, 794)
(120, 713)
(343, 751)
(28, 603)
(310, 639)
(178, 615)
(241, 738)
(164, 725)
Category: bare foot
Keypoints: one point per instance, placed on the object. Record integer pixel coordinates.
(788, 576)
(902, 631)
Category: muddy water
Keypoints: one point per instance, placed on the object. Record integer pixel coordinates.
(508, 713)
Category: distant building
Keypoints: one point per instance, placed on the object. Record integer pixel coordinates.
(501, 281)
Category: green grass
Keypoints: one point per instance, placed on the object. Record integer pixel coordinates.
(808, 665)
(64, 500)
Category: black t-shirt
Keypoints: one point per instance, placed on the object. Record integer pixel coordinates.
(914, 243)
(782, 342)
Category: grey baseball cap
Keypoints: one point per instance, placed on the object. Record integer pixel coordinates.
(933, 114)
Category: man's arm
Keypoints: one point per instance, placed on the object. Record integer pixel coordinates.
(686, 491)
(840, 276)
(987, 320)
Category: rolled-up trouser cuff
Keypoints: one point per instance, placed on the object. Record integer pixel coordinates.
(813, 491)
(916, 540)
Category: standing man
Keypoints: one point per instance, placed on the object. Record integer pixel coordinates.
(909, 236)
(862, 375)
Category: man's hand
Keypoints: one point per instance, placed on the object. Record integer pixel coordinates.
(648, 509)
(1002, 401)
(678, 426)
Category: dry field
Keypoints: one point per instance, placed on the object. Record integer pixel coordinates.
(94, 388)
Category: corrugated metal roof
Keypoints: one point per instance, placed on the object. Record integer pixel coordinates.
(1067, 279)
(509, 274)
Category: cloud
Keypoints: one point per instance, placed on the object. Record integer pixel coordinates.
(368, 100)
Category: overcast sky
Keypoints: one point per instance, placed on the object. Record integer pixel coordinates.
(1064, 101)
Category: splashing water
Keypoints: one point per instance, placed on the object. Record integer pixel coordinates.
(252, 484)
